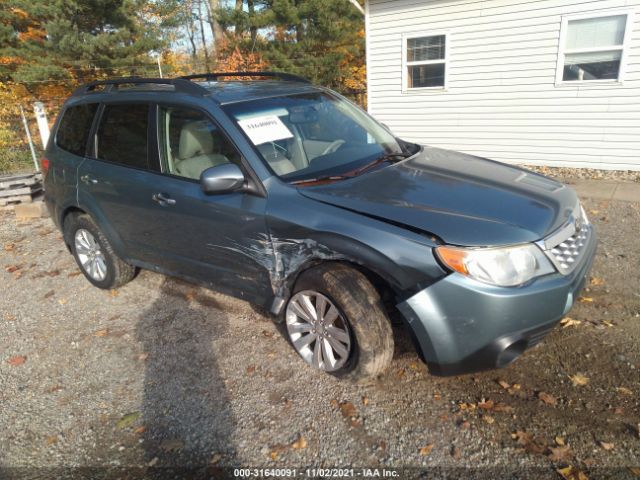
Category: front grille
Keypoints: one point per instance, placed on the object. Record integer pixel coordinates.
(567, 254)
(566, 246)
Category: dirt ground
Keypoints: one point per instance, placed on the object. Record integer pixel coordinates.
(114, 384)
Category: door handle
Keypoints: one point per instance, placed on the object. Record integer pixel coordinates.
(163, 199)
(88, 180)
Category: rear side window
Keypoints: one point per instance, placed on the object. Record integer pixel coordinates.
(74, 128)
(122, 135)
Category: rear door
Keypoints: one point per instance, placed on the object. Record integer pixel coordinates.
(117, 180)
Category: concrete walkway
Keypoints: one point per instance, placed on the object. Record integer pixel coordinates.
(607, 190)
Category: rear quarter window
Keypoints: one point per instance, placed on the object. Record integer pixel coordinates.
(74, 128)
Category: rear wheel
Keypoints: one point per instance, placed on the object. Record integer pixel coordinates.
(94, 254)
(336, 322)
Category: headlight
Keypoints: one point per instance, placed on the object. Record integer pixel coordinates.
(505, 267)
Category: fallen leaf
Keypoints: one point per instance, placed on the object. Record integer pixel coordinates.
(456, 453)
(101, 333)
(190, 295)
(547, 398)
(467, 406)
(113, 293)
(62, 301)
(9, 246)
(300, 443)
(436, 396)
(53, 389)
(276, 450)
(488, 419)
(348, 410)
(572, 473)
(142, 356)
(624, 391)
(52, 439)
(559, 441)
(502, 407)
(49, 294)
(153, 462)
(504, 384)
(140, 430)
(426, 450)
(12, 268)
(17, 360)
(215, 458)
(267, 333)
(569, 322)
(486, 405)
(606, 445)
(595, 281)
(74, 274)
(52, 273)
(365, 401)
(414, 366)
(171, 445)
(529, 442)
(560, 454)
(334, 403)
(607, 323)
(127, 420)
(635, 471)
(9, 317)
(251, 369)
(585, 299)
(578, 380)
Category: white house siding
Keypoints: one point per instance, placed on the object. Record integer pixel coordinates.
(501, 100)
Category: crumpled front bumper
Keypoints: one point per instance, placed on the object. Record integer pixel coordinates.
(460, 325)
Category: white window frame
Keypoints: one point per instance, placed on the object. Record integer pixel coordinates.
(622, 48)
(405, 64)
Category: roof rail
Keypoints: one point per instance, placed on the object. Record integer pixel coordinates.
(290, 77)
(180, 84)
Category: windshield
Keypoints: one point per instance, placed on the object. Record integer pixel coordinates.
(312, 135)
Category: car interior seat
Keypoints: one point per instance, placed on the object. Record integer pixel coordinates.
(196, 150)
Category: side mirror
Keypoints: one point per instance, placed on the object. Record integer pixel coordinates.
(223, 178)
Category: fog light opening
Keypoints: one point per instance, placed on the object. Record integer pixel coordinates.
(510, 353)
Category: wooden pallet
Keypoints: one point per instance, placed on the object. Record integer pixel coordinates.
(18, 199)
(9, 182)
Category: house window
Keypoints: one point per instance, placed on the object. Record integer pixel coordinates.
(425, 59)
(592, 48)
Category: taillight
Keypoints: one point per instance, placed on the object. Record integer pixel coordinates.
(44, 165)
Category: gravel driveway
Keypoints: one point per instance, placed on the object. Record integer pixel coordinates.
(165, 374)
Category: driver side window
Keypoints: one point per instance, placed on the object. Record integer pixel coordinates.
(191, 143)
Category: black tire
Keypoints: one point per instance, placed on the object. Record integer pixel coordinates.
(361, 306)
(118, 271)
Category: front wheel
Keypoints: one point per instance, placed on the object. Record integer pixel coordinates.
(337, 323)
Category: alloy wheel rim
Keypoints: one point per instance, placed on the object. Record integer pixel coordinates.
(318, 331)
(90, 255)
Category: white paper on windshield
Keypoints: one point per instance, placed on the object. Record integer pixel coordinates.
(268, 128)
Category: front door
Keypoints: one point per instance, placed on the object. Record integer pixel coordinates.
(219, 239)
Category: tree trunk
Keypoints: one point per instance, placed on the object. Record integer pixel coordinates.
(239, 4)
(213, 6)
(202, 35)
(253, 30)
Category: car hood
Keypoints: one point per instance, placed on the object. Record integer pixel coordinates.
(462, 199)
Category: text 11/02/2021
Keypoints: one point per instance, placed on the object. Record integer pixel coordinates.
(364, 473)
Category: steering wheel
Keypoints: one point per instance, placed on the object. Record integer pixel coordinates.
(333, 147)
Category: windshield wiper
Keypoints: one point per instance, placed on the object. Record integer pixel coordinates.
(387, 157)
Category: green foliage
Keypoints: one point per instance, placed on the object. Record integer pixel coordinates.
(44, 40)
(322, 40)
